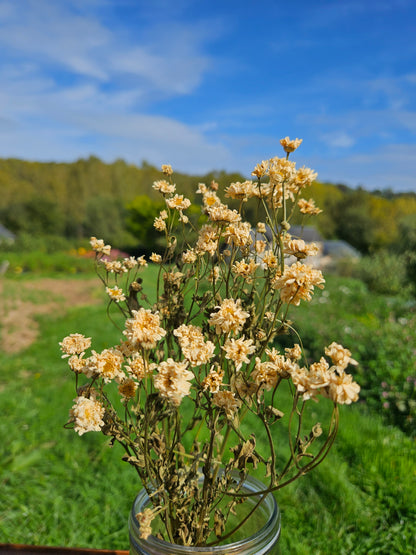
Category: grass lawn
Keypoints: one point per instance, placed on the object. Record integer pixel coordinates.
(59, 489)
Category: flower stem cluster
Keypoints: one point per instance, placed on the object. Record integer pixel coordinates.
(202, 366)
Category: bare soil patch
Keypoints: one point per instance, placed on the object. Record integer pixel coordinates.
(22, 302)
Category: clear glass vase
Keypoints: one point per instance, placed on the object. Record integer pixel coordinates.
(258, 536)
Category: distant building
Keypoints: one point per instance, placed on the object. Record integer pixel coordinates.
(308, 233)
(6, 235)
(329, 251)
(340, 249)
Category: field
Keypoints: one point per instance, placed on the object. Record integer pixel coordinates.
(59, 489)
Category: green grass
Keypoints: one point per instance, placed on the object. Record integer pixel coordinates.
(59, 489)
(40, 263)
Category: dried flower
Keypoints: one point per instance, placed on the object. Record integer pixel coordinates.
(167, 169)
(173, 380)
(238, 350)
(245, 269)
(178, 202)
(222, 214)
(164, 187)
(210, 199)
(213, 381)
(199, 352)
(189, 257)
(144, 329)
(75, 344)
(141, 261)
(298, 283)
(77, 363)
(214, 274)
(193, 345)
(265, 374)
(290, 145)
(127, 389)
(207, 240)
(304, 178)
(294, 353)
(107, 364)
(261, 169)
(130, 263)
(270, 260)
(114, 266)
(155, 258)
(300, 249)
(136, 367)
(145, 519)
(240, 191)
(159, 224)
(308, 207)
(227, 402)
(115, 294)
(342, 389)
(229, 316)
(340, 356)
(87, 415)
(99, 247)
(238, 234)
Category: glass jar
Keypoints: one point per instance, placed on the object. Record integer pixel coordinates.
(258, 536)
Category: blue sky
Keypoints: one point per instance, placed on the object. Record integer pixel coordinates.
(213, 84)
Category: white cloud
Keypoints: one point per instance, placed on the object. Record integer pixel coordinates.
(56, 37)
(71, 86)
(338, 139)
(52, 33)
(170, 74)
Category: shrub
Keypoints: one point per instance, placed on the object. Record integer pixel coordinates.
(399, 403)
(383, 272)
(382, 333)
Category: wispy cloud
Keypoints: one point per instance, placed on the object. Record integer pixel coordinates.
(338, 139)
(55, 36)
(61, 65)
(197, 86)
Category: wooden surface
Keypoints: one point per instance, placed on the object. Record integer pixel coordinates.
(16, 549)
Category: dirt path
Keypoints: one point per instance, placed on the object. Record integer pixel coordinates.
(21, 302)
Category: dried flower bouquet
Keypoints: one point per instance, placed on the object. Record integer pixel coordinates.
(194, 367)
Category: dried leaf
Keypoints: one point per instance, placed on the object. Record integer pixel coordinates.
(244, 454)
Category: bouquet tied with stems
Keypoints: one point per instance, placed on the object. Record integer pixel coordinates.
(203, 363)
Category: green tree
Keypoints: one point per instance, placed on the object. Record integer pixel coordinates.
(406, 244)
(353, 222)
(37, 216)
(141, 214)
(105, 218)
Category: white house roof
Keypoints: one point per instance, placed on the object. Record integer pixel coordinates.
(5, 233)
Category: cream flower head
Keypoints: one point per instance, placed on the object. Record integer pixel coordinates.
(173, 380)
(144, 329)
(289, 145)
(87, 415)
(230, 317)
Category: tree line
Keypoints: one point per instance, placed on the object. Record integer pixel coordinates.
(116, 201)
